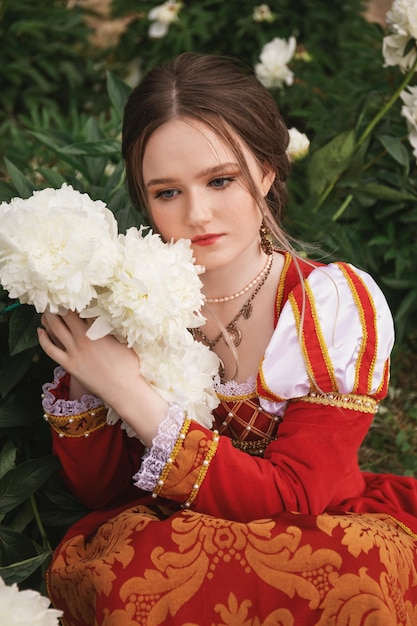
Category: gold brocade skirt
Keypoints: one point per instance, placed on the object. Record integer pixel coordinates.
(150, 566)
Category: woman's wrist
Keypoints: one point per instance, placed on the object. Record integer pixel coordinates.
(77, 390)
(143, 410)
(138, 404)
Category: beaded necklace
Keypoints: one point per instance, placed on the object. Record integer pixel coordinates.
(246, 310)
(244, 290)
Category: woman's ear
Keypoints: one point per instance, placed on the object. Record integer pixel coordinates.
(267, 180)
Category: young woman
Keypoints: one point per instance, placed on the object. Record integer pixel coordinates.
(266, 518)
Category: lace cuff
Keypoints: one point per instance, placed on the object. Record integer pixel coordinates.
(62, 407)
(163, 444)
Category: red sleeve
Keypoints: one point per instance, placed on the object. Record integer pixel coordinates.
(311, 466)
(98, 469)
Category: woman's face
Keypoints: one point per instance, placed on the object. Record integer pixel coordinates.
(196, 190)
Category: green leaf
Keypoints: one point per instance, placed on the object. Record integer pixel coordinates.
(408, 304)
(19, 555)
(24, 480)
(22, 329)
(385, 193)
(330, 161)
(19, 571)
(7, 458)
(105, 147)
(55, 179)
(93, 132)
(21, 517)
(395, 148)
(13, 414)
(380, 240)
(23, 185)
(54, 140)
(354, 171)
(13, 369)
(399, 283)
(118, 92)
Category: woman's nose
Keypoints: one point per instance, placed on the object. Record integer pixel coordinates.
(199, 209)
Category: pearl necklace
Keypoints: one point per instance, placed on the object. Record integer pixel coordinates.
(244, 290)
(232, 329)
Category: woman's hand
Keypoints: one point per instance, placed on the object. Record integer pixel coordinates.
(105, 367)
(96, 364)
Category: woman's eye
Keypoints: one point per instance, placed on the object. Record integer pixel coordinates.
(167, 194)
(218, 183)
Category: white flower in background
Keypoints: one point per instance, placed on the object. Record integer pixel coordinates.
(299, 144)
(56, 247)
(162, 17)
(402, 23)
(402, 18)
(262, 13)
(155, 291)
(393, 47)
(25, 608)
(272, 70)
(409, 111)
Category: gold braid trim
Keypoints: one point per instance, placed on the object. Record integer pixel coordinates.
(171, 459)
(404, 527)
(79, 425)
(203, 470)
(365, 404)
(254, 448)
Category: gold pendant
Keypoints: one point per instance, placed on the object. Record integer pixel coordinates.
(235, 334)
(247, 310)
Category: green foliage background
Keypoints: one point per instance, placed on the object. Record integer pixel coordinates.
(61, 104)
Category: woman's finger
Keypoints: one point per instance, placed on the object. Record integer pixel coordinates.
(77, 325)
(57, 329)
(51, 335)
(53, 350)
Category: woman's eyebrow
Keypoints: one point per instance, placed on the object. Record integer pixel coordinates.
(208, 171)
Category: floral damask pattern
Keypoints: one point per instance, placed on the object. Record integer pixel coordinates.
(144, 568)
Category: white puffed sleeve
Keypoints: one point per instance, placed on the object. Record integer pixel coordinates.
(335, 334)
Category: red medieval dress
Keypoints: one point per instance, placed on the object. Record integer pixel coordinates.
(265, 520)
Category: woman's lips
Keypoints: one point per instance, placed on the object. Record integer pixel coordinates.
(206, 240)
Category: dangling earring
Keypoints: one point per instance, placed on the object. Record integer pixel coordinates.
(266, 243)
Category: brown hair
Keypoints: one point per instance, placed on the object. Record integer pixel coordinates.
(227, 98)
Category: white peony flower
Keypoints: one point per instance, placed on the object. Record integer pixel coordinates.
(299, 144)
(183, 373)
(155, 291)
(262, 13)
(272, 70)
(409, 112)
(152, 299)
(393, 47)
(402, 18)
(25, 608)
(56, 247)
(162, 17)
